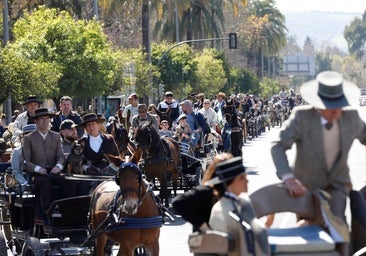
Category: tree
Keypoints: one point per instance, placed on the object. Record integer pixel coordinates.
(323, 62)
(52, 43)
(309, 48)
(268, 24)
(211, 76)
(355, 35)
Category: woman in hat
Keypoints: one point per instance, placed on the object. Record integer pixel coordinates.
(231, 185)
(97, 145)
(195, 205)
(323, 132)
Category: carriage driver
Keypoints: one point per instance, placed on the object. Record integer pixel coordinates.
(97, 144)
(43, 156)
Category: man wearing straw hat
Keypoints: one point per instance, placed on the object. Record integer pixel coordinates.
(323, 132)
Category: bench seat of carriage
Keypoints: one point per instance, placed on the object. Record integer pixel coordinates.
(313, 239)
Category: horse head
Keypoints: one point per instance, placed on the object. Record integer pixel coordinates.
(129, 178)
(147, 137)
(163, 115)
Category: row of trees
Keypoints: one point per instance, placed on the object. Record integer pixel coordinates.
(52, 54)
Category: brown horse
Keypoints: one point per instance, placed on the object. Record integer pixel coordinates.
(160, 157)
(126, 211)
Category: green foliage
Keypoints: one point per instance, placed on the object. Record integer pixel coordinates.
(355, 35)
(323, 62)
(244, 81)
(268, 87)
(177, 68)
(211, 76)
(58, 56)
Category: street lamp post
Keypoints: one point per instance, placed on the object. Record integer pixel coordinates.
(6, 40)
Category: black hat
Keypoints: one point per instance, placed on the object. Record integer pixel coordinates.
(42, 112)
(67, 124)
(31, 99)
(330, 91)
(227, 170)
(91, 117)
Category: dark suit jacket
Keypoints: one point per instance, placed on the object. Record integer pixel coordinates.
(44, 153)
(304, 128)
(98, 159)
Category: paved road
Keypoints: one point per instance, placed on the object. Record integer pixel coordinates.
(256, 154)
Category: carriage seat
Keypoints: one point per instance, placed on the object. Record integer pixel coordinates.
(210, 242)
(306, 240)
(69, 215)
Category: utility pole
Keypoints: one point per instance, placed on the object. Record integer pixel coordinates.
(6, 40)
(99, 98)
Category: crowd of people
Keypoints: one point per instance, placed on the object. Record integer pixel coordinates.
(323, 131)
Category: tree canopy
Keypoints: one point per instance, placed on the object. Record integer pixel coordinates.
(52, 55)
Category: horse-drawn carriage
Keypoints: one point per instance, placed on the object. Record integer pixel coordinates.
(122, 209)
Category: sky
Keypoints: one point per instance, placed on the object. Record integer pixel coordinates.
(355, 6)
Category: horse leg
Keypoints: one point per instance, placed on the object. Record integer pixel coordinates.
(100, 244)
(164, 190)
(153, 249)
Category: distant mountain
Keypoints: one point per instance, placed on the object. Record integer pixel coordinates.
(321, 27)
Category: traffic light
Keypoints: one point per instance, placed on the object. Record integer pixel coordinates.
(233, 41)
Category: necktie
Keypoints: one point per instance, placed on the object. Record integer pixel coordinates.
(328, 126)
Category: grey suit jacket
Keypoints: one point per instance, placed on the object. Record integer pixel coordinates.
(46, 153)
(304, 128)
(220, 220)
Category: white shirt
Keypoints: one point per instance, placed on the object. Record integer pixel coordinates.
(95, 142)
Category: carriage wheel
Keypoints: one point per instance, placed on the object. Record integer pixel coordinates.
(5, 221)
(3, 246)
(34, 247)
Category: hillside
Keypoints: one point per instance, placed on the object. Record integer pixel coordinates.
(321, 27)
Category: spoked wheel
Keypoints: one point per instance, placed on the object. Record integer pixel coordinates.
(34, 247)
(5, 221)
(3, 246)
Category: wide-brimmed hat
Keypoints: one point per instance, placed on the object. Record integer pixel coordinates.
(67, 124)
(29, 128)
(91, 117)
(227, 170)
(42, 112)
(330, 91)
(31, 99)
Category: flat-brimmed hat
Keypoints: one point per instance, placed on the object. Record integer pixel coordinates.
(32, 99)
(182, 116)
(227, 170)
(91, 117)
(330, 91)
(67, 124)
(29, 128)
(42, 112)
